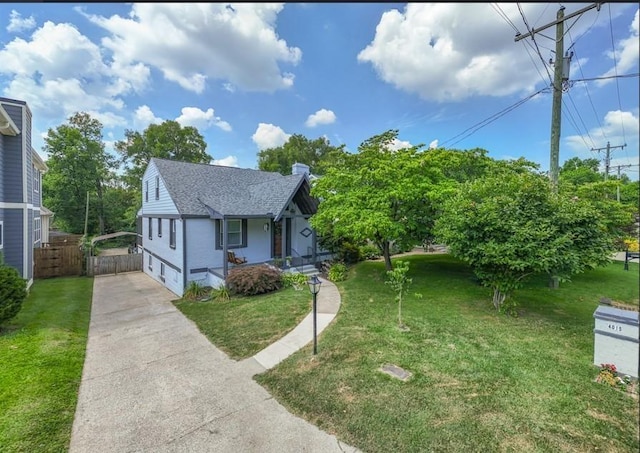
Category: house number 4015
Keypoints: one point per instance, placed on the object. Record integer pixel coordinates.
(615, 328)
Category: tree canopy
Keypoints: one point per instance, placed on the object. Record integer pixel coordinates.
(168, 140)
(377, 194)
(318, 154)
(78, 164)
(510, 225)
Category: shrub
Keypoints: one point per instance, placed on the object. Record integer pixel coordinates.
(337, 272)
(294, 280)
(221, 293)
(349, 253)
(252, 280)
(13, 292)
(194, 291)
(369, 252)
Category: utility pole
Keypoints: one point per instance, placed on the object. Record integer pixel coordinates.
(86, 217)
(607, 158)
(618, 186)
(561, 74)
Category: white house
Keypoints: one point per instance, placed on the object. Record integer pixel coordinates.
(186, 208)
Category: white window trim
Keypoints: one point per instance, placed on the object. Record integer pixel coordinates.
(1, 234)
(37, 230)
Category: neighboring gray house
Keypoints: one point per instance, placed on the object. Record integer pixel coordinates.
(186, 207)
(21, 170)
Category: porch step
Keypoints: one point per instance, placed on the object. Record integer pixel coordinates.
(307, 269)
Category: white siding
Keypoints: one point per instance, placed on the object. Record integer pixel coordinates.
(299, 243)
(164, 205)
(201, 250)
(258, 241)
(160, 247)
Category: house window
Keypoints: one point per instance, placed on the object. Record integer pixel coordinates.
(150, 228)
(159, 227)
(1, 234)
(150, 262)
(37, 229)
(162, 271)
(146, 191)
(236, 233)
(157, 187)
(36, 180)
(172, 233)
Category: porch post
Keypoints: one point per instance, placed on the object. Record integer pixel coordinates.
(283, 242)
(314, 246)
(225, 261)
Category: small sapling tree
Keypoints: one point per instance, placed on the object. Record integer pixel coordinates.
(399, 281)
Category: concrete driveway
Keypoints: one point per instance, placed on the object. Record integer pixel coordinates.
(152, 382)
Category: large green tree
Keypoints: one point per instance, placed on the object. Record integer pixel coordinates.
(318, 154)
(510, 225)
(168, 140)
(78, 164)
(378, 194)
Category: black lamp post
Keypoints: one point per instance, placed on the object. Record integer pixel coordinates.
(314, 287)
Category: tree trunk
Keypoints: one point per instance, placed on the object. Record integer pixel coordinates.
(387, 255)
(400, 311)
(100, 208)
(498, 298)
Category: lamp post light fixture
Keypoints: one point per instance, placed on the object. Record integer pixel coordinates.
(314, 287)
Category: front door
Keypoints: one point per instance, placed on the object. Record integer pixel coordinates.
(277, 238)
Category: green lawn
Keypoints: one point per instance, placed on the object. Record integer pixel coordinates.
(243, 326)
(42, 352)
(481, 381)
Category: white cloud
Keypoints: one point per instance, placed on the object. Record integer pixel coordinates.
(617, 128)
(433, 144)
(18, 24)
(455, 51)
(229, 87)
(144, 116)
(190, 43)
(59, 71)
(193, 116)
(108, 119)
(322, 116)
(627, 52)
(396, 144)
(229, 161)
(269, 136)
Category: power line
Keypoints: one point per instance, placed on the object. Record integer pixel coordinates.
(593, 107)
(476, 127)
(623, 76)
(615, 67)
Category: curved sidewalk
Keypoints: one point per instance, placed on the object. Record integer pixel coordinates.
(152, 382)
(327, 306)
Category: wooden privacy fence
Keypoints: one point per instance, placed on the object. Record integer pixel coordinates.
(57, 261)
(99, 265)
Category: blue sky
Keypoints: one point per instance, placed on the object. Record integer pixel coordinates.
(249, 75)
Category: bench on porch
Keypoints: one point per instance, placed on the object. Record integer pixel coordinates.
(232, 258)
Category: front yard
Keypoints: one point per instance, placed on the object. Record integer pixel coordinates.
(41, 355)
(481, 381)
(243, 326)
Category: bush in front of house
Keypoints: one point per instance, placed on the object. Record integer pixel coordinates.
(252, 280)
(337, 272)
(13, 292)
(294, 280)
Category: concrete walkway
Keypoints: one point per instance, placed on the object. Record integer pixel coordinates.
(327, 306)
(153, 383)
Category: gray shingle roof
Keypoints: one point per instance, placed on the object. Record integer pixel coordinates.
(229, 191)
